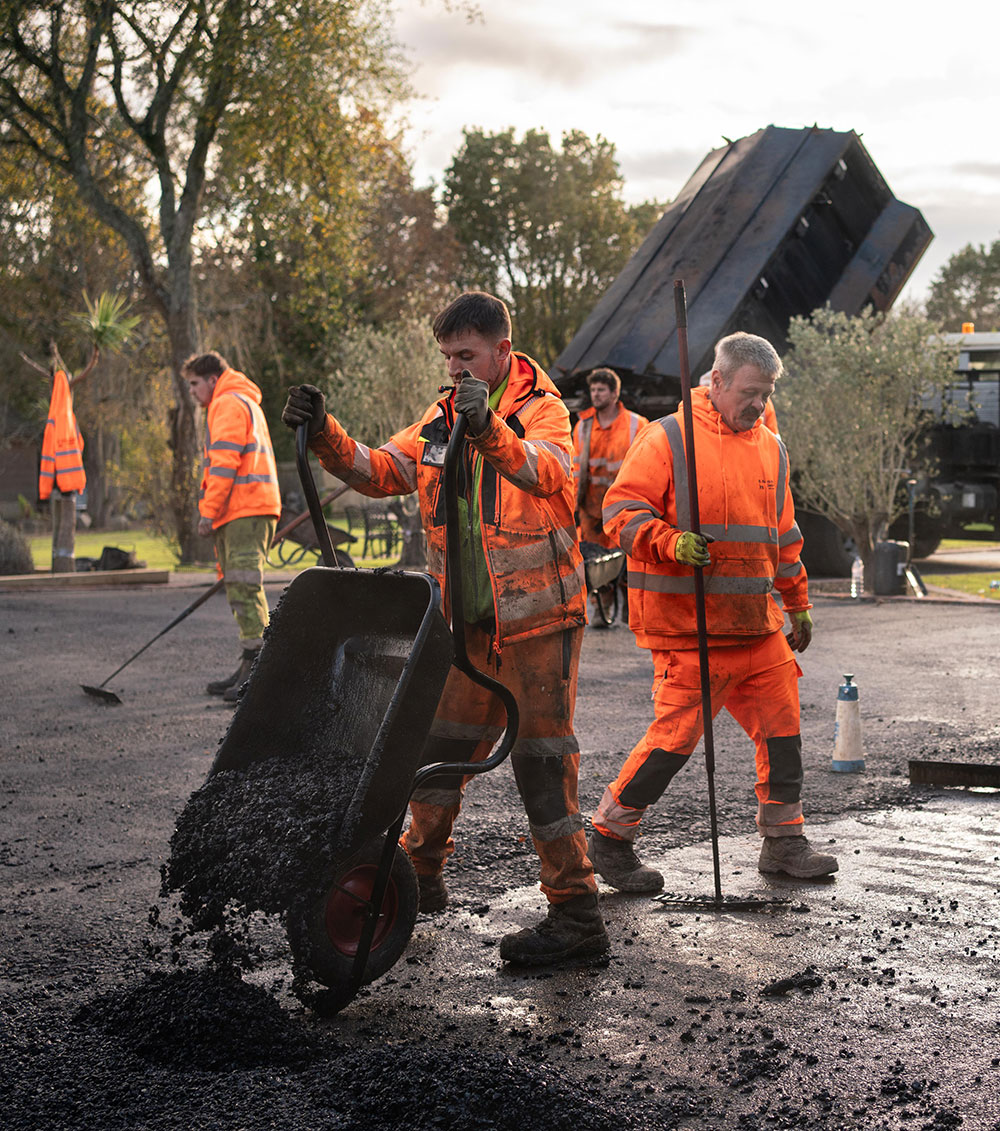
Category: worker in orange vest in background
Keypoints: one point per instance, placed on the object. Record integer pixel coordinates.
(239, 501)
(602, 435)
(61, 475)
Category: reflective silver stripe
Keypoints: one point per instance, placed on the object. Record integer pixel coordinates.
(627, 534)
(526, 605)
(790, 569)
(223, 472)
(772, 814)
(545, 747)
(661, 583)
(406, 466)
(527, 474)
(614, 509)
(569, 825)
(633, 426)
(362, 461)
(767, 535)
(225, 446)
(793, 534)
(672, 429)
(531, 555)
(254, 478)
(617, 818)
(586, 427)
(65, 452)
(245, 576)
(442, 798)
(782, 476)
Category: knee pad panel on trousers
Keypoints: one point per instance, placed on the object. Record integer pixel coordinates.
(652, 778)
(784, 754)
(541, 783)
(439, 749)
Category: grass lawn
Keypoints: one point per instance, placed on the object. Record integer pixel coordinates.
(156, 552)
(975, 584)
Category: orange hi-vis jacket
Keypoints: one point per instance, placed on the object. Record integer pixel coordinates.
(597, 456)
(525, 497)
(744, 503)
(239, 477)
(62, 444)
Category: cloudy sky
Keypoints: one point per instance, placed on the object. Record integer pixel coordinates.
(666, 80)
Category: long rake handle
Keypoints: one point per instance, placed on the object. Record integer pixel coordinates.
(680, 306)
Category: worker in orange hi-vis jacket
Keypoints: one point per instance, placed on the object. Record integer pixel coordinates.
(523, 590)
(748, 548)
(602, 435)
(239, 500)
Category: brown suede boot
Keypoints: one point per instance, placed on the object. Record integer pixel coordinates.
(433, 893)
(616, 863)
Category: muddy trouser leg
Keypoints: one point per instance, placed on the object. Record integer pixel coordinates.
(672, 736)
(541, 673)
(766, 705)
(468, 722)
(241, 546)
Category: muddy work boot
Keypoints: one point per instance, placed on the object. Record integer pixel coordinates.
(572, 929)
(616, 863)
(794, 856)
(232, 693)
(433, 894)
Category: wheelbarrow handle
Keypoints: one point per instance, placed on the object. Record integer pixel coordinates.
(312, 495)
(452, 462)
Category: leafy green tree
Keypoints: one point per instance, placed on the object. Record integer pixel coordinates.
(852, 413)
(544, 228)
(967, 289)
(165, 88)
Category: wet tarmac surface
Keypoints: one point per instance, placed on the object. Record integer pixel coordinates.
(876, 1007)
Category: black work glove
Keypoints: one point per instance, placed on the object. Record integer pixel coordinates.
(305, 404)
(472, 399)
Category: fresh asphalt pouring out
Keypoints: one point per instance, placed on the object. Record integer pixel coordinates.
(872, 1007)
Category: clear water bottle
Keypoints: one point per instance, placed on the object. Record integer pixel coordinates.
(857, 577)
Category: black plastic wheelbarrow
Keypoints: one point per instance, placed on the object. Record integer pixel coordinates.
(357, 660)
(603, 571)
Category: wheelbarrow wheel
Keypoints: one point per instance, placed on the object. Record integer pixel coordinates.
(324, 934)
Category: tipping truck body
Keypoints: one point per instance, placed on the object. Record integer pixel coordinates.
(768, 227)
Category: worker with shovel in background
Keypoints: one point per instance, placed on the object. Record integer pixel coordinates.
(239, 500)
(524, 603)
(749, 546)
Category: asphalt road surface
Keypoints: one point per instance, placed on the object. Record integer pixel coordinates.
(869, 1001)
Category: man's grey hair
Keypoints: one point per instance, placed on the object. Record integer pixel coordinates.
(739, 349)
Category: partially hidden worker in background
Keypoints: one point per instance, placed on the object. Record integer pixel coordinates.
(748, 547)
(524, 603)
(239, 500)
(61, 474)
(601, 437)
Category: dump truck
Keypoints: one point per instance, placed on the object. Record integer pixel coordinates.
(768, 227)
(959, 496)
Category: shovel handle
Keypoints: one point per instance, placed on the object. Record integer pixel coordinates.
(312, 495)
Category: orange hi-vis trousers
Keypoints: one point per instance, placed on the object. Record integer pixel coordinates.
(758, 683)
(541, 673)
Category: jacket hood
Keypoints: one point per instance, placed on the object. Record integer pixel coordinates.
(708, 416)
(232, 381)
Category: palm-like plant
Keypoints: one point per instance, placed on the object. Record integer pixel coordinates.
(107, 321)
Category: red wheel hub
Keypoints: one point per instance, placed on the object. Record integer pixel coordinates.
(347, 908)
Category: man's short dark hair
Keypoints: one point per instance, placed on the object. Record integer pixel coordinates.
(484, 314)
(605, 377)
(209, 364)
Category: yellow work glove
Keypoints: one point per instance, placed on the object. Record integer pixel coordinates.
(692, 549)
(802, 630)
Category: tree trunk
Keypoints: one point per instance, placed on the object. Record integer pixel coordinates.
(63, 531)
(184, 441)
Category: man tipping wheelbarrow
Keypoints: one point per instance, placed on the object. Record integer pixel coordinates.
(524, 603)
